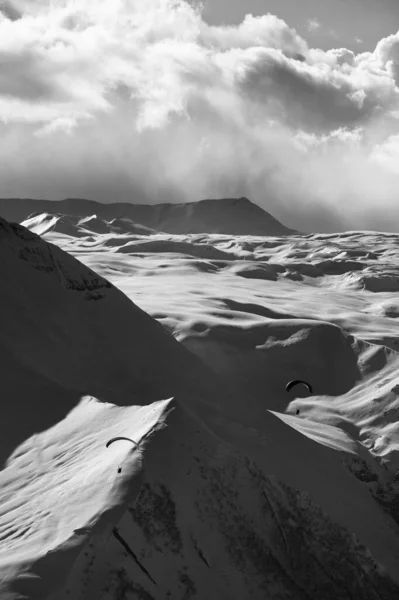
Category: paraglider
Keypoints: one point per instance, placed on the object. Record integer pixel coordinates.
(294, 382)
(116, 439)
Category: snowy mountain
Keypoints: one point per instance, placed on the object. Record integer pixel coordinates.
(44, 223)
(220, 495)
(236, 216)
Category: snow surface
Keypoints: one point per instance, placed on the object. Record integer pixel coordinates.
(233, 488)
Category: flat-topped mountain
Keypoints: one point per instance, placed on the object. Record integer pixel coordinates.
(235, 216)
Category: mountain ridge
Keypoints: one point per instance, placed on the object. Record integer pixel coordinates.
(216, 495)
(231, 216)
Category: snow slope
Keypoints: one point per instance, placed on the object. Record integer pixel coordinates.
(228, 491)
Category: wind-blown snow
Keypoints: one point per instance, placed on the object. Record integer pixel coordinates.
(233, 488)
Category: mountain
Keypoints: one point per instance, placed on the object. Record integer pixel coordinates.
(236, 216)
(209, 494)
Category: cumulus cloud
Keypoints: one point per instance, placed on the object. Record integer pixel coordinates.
(267, 31)
(131, 100)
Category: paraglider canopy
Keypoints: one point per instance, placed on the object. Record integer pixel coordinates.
(116, 439)
(295, 382)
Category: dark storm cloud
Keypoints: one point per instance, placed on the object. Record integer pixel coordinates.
(23, 77)
(9, 10)
(302, 96)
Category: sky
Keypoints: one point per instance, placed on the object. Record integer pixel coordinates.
(354, 24)
(292, 104)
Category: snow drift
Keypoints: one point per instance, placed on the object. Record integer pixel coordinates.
(222, 494)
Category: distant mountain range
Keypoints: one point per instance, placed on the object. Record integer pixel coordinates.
(235, 216)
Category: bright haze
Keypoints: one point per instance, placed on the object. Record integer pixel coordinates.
(170, 101)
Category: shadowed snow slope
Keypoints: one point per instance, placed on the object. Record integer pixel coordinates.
(236, 216)
(225, 490)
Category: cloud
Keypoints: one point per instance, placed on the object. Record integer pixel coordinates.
(9, 10)
(267, 31)
(63, 124)
(387, 153)
(386, 56)
(120, 99)
(315, 96)
(313, 25)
